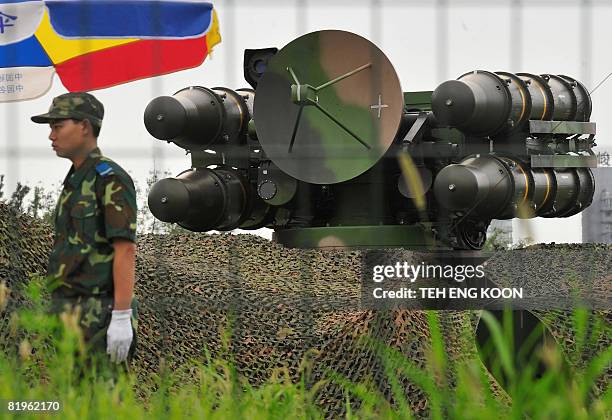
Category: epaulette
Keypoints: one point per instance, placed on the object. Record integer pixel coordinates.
(104, 169)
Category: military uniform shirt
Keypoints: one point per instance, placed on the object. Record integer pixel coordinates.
(97, 204)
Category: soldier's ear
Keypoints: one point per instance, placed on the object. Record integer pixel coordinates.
(87, 127)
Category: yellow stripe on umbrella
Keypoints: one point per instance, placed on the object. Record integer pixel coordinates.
(61, 49)
(213, 36)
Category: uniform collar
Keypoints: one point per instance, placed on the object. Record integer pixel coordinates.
(75, 177)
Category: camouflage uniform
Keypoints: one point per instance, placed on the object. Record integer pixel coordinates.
(96, 205)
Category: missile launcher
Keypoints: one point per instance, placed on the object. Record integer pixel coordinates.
(328, 150)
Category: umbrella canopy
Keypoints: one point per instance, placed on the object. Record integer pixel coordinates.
(96, 44)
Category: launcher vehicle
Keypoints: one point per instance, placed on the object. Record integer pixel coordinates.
(326, 149)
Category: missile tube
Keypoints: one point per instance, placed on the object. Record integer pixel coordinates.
(503, 187)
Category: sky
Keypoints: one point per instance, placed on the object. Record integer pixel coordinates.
(426, 43)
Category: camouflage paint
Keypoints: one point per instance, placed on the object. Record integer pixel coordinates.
(322, 151)
(386, 236)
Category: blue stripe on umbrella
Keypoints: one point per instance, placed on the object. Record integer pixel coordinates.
(27, 53)
(16, 1)
(129, 18)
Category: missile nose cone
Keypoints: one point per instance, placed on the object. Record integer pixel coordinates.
(169, 200)
(453, 103)
(165, 118)
(456, 187)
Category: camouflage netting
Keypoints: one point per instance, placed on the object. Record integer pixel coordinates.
(25, 244)
(583, 271)
(282, 302)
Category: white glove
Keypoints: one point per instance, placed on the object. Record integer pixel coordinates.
(119, 335)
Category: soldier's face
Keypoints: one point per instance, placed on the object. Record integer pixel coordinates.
(68, 137)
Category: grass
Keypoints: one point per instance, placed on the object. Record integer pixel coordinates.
(54, 371)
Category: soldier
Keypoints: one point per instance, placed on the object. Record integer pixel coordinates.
(92, 263)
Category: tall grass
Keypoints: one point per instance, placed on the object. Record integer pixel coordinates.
(48, 364)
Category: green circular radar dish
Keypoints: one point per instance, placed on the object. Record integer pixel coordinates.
(328, 107)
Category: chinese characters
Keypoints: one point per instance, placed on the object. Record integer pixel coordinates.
(6, 21)
(11, 83)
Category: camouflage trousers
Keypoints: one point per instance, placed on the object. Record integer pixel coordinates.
(94, 316)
